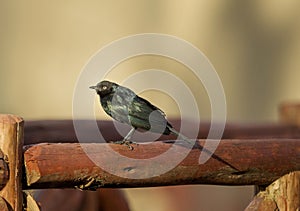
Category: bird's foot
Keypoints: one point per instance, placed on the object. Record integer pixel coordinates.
(126, 142)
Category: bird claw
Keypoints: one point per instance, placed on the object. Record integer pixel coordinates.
(126, 142)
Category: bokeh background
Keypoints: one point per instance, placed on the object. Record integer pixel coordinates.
(253, 45)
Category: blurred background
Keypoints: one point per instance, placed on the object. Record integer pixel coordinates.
(254, 47)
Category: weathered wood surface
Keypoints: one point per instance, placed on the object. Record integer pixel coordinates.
(289, 113)
(283, 194)
(4, 171)
(4, 206)
(31, 204)
(237, 162)
(11, 144)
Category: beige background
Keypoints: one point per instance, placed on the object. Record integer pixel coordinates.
(253, 45)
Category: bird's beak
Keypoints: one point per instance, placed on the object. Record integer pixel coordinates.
(93, 87)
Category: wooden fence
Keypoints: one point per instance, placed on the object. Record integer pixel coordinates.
(264, 155)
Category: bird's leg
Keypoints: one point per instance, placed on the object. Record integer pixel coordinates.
(129, 134)
(126, 139)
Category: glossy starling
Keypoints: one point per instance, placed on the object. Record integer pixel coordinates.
(123, 105)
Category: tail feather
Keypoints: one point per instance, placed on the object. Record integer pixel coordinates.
(180, 136)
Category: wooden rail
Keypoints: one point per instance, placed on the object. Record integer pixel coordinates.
(236, 162)
(62, 131)
(247, 155)
(270, 152)
(11, 144)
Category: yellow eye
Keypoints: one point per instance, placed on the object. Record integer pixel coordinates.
(104, 87)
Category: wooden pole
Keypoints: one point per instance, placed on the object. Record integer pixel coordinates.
(289, 113)
(11, 143)
(237, 162)
(283, 194)
(63, 131)
(3, 205)
(4, 171)
(31, 204)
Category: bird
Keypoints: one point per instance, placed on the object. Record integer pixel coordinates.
(125, 106)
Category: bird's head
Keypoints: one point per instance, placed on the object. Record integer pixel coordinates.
(104, 88)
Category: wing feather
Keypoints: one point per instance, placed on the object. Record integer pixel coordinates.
(144, 115)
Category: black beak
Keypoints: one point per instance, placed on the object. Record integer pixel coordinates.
(93, 87)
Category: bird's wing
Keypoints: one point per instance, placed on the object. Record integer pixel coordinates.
(146, 116)
(116, 103)
(117, 109)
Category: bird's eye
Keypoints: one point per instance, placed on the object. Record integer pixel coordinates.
(104, 87)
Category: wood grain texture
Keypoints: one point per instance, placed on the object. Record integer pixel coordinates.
(283, 194)
(11, 144)
(4, 206)
(4, 171)
(237, 162)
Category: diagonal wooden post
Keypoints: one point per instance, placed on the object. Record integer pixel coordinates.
(11, 144)
(283, 194)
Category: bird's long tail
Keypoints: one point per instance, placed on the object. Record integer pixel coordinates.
(180, 136)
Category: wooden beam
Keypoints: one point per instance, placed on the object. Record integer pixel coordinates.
(289, 113)
(237, 162)
(63, 131)
(283, 194)
(11, 144)
(4, 206)
(4, 171)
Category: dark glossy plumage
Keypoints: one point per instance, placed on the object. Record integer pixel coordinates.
(125, 106)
